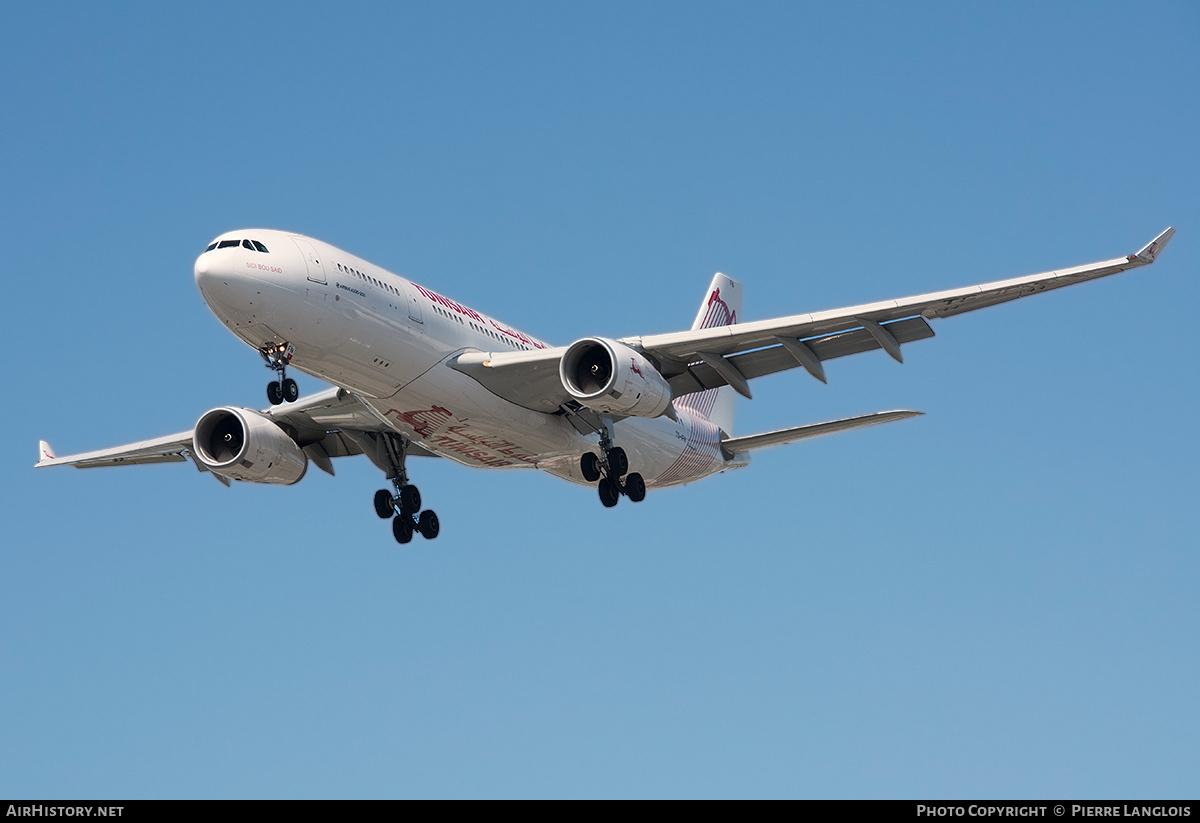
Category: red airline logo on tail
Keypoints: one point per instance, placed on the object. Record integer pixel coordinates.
(728, 318)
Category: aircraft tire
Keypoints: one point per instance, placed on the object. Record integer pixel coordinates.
(589, 466)
(609, 495)
(274, 393)
(402, 529)
(618, 463)
(410, 501)
(429, 525)
(383, 504)
(291, 392)
(635, 487)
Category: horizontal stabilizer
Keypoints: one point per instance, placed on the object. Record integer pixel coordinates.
(777, 438)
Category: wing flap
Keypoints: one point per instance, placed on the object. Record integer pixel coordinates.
(765, 361)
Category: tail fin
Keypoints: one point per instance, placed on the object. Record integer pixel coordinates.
(721, 307)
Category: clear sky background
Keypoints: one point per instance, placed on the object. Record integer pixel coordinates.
(998, 599)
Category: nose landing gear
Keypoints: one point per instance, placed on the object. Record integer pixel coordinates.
(278, 356)
(609, 469)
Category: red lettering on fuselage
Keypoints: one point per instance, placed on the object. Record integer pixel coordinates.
(261, 267)
(450, 304)
(478, 452)
(497, 445)
(524, 338)
(460, 439)
(477, 317)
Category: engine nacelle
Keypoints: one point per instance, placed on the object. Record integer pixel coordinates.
(610, 377)
(243, 444)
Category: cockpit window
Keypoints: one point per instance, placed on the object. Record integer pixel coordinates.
(253, 245)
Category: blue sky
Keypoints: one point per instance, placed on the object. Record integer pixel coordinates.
(997, 599)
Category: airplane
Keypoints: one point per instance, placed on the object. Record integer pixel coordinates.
(417, 374)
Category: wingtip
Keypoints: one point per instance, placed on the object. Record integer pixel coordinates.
(45, 454)
(1151, 250)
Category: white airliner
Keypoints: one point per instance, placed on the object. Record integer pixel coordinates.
(419, 374)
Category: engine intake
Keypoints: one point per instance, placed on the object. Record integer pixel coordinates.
(243, 444)
(610, 377)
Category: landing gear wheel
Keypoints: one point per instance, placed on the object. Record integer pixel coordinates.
(402, 528)
(291, 392)
(410, 501)
(635, 487)
(428, 524)
(589, 465)
(609, 493)
(383, 504)
(274, 393)
(618, 463)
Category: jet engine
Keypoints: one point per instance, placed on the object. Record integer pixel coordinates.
(609, 377)
(243, 444)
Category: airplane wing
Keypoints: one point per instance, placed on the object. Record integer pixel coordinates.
(328, 424)
(702, 359)
(169, 449)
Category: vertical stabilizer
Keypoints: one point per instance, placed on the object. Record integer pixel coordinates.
(721, 306)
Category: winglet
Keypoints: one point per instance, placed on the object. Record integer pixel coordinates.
(1151, 249)
(45, 453)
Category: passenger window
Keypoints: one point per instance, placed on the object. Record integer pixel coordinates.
(225, 244)
(260, 247)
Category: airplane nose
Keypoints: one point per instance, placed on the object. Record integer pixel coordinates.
(215, 278)
(213, 274)
(203, 269)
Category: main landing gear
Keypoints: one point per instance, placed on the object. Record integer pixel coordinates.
(609, 469)
(405, 504)
(278, 356)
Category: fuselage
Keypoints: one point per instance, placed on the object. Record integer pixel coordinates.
(388, 340)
